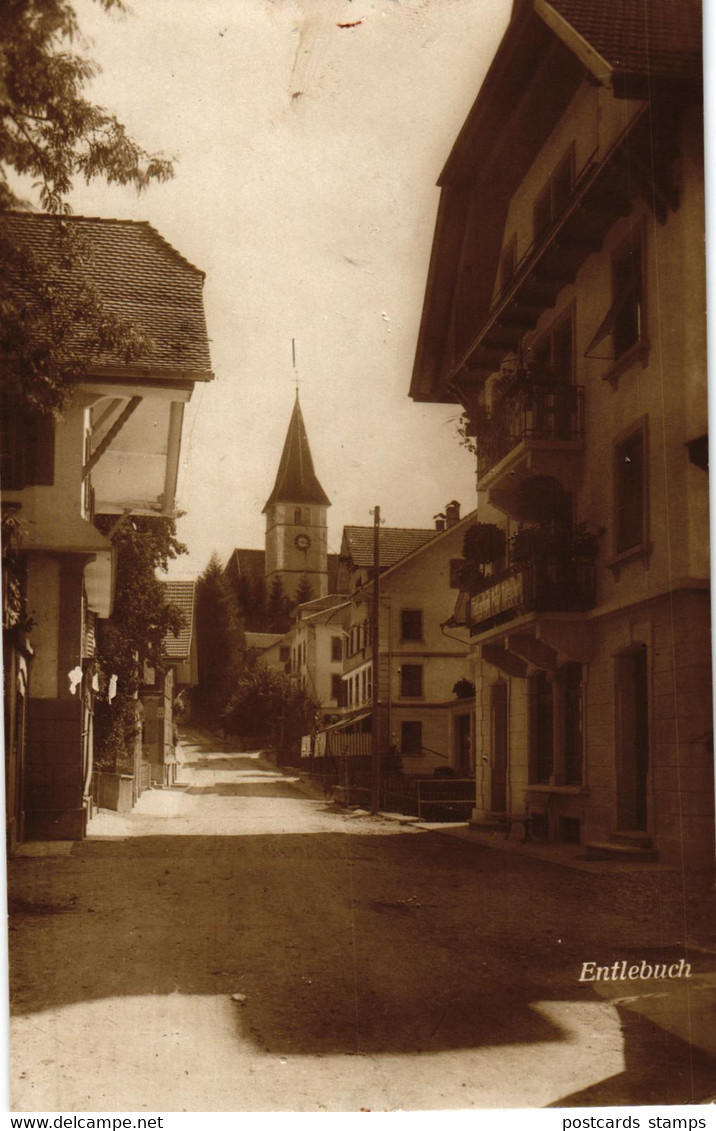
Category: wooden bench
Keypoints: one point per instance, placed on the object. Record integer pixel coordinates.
(535, 817)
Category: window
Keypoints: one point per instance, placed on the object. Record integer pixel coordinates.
(555, 196)
(556, 351)
(630, 482)
(563, 352)
(411, 738)
(364, 685)
(370, 683)
(625, 319)
(411, 681)
(336, 684)
(411, 624)
(283, 653)
(297, 516)
(336, 648)
(628, 297)
(557, 727)
(350, 692)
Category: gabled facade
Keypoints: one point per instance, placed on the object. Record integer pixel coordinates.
(115, 450)
(420, 660)
(316, 646)
(564, 311)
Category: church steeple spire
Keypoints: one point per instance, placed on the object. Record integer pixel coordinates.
(296, 480)
(296, 528)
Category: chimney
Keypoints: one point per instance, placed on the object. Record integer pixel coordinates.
(439, 520)
(452, 513)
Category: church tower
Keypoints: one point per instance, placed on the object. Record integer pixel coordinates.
(296, 526)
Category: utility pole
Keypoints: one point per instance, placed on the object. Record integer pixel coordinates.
(375, 743)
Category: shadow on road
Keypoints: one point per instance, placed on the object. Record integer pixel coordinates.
(346, 943)
(250, 789)
(246, 762)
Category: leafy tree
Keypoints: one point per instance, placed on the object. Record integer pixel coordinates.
(304, 591)
(219, 639)
(268, 706)
(278, 612)
(50, 131)
(133, 635)
(51, 134)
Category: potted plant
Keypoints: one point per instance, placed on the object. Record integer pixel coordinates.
(483, 545)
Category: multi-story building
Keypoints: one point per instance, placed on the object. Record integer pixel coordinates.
(565, 311)
(114, 451)
(420, 661)
(316, 645)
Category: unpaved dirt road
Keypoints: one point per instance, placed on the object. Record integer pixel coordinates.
(380, 967)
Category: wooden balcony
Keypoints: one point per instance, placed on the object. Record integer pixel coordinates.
(529, 416)
(543, 579)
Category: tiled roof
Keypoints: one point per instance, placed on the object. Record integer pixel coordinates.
(251, 565)
(181, 594)
(642, 37)
(296, 481)
(139, 276)
(247, 564)
(261, 640)
(395, 543)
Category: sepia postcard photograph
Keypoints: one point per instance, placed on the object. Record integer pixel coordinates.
(358, 715)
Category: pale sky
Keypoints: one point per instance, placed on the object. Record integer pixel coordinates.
(305, 189)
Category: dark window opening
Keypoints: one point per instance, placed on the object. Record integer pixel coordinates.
(563, 352)
(411, 738)
(554, 198)
(411, 681)
(336, 685)
(411, 624)
(630, 493)
(336, 648)
(628, 297)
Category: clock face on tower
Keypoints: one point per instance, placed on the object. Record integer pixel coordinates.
(302, 541)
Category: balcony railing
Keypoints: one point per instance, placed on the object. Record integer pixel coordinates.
(544, 579)
(544, 414)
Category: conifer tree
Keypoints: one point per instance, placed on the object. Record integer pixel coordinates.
(278, 610)
(219, 639)
(304, 591)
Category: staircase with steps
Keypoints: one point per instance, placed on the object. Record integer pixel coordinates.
(626, 844)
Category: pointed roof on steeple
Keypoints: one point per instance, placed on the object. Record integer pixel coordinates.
(296, 481)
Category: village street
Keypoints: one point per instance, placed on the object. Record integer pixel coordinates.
(381, 966)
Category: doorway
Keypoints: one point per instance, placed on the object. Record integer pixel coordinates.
(632, 740)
